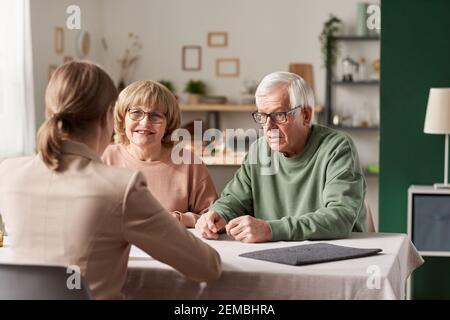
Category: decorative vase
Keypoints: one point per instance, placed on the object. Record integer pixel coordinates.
(194, 98)
(361, 19)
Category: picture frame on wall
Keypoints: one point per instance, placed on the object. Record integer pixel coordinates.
(83, 44)
(59, 40)
(217, 39)
(228, 67)
(191, 58)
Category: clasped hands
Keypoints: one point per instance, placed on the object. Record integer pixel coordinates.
(245, 228)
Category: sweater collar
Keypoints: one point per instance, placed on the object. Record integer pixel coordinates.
(79, 149)
(308, 151)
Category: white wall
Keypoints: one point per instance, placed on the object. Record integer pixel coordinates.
(45, 16)
(266, 35)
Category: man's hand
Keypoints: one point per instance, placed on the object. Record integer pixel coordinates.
(249, 229)
(209, 225)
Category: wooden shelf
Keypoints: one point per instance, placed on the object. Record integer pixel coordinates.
(356, 83)
(357, 38)
(218, 107)
(225, 108)
(355, 128)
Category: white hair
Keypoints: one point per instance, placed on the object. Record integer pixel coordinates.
(300, 93)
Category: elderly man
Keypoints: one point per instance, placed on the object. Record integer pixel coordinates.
(315, 188)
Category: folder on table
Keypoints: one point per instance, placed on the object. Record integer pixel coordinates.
(310, 254)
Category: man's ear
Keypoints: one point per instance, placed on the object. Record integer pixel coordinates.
(307, 115)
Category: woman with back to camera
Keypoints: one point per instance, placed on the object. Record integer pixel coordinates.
(65, 207)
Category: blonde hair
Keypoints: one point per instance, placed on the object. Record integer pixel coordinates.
(78, 94)
(147, 93)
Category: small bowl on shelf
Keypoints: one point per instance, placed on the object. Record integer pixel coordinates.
(214, 100)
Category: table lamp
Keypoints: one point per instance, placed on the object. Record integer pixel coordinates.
(437, 121)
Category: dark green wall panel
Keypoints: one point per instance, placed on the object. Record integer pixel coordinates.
(415, 55)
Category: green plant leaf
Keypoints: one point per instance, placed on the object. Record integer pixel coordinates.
(329, 46)
(195, 87)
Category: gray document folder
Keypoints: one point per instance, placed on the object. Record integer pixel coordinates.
(310, 254)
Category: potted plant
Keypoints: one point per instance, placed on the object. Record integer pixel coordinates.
(328, 43)
(196, 89)
(168, 84)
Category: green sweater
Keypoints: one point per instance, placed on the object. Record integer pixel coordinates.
(318, 194)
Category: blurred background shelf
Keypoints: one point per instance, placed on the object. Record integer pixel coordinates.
(354, 128)
(218, 107)
(213, 111)
(225, 108)
(357, 38)
(356, 83)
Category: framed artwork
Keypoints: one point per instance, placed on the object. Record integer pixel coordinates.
(191, 58)
(83, 45)
(227, 67)
(217, 39)
(51, 69)
(59, 40)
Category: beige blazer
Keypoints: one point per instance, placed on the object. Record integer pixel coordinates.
(88, 216)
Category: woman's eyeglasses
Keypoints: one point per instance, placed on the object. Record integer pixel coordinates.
(277, 117)
(137, 114)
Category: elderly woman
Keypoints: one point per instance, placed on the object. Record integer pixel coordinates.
(146, 114)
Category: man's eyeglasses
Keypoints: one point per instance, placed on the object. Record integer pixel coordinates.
(277, 117)
(137, 114)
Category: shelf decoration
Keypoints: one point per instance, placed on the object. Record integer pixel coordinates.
(361, 19)
(227, 67)
(191, 58)
(83, 44)
(129, 60)
(196, 90)
(329, 46)
(354, 75)
(59, 40)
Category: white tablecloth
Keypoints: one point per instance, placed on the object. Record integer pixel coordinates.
(377, 277)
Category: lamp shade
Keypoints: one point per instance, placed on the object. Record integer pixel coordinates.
(437, 119)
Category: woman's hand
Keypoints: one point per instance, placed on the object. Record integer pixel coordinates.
(176, 215)
(187, 219)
